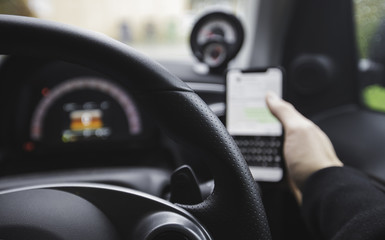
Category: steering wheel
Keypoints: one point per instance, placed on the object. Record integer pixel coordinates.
(234, 210)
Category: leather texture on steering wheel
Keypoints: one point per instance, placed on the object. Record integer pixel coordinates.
(234, 210)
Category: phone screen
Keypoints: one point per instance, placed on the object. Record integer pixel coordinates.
(256, 131)
(247, 113)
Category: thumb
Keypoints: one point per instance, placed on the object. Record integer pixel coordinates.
(284, 111)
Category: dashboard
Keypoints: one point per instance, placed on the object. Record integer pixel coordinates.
(62, 116)
(59, 114)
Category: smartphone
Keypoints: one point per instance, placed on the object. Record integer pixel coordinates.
(258, 134)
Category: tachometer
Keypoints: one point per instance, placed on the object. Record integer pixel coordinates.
(216, 39)
(85, 109)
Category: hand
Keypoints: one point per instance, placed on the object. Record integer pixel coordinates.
(306, 149)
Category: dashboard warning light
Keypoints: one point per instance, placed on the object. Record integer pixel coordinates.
(44, 91)
(29, 146)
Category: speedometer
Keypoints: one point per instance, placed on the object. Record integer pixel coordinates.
(84, 109)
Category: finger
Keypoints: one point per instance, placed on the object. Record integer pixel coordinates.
(284, 111)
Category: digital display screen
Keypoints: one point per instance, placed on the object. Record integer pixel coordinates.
(86, 122)
(247, 112)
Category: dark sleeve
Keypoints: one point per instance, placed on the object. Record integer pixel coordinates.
(341, 203)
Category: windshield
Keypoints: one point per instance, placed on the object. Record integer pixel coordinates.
(160, 29)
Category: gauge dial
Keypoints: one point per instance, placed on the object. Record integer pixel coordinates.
(216, 39)
(84, 109)
(217, 29)
(214, 54)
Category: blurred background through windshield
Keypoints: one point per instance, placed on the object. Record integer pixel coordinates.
(157, 28)
(161, 29)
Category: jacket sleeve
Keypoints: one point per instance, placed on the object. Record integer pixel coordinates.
(342, 203)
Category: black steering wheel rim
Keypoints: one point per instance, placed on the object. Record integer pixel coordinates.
(234, 209)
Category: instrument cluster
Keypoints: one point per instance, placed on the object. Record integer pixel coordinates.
(85, 109)
(57, 107)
